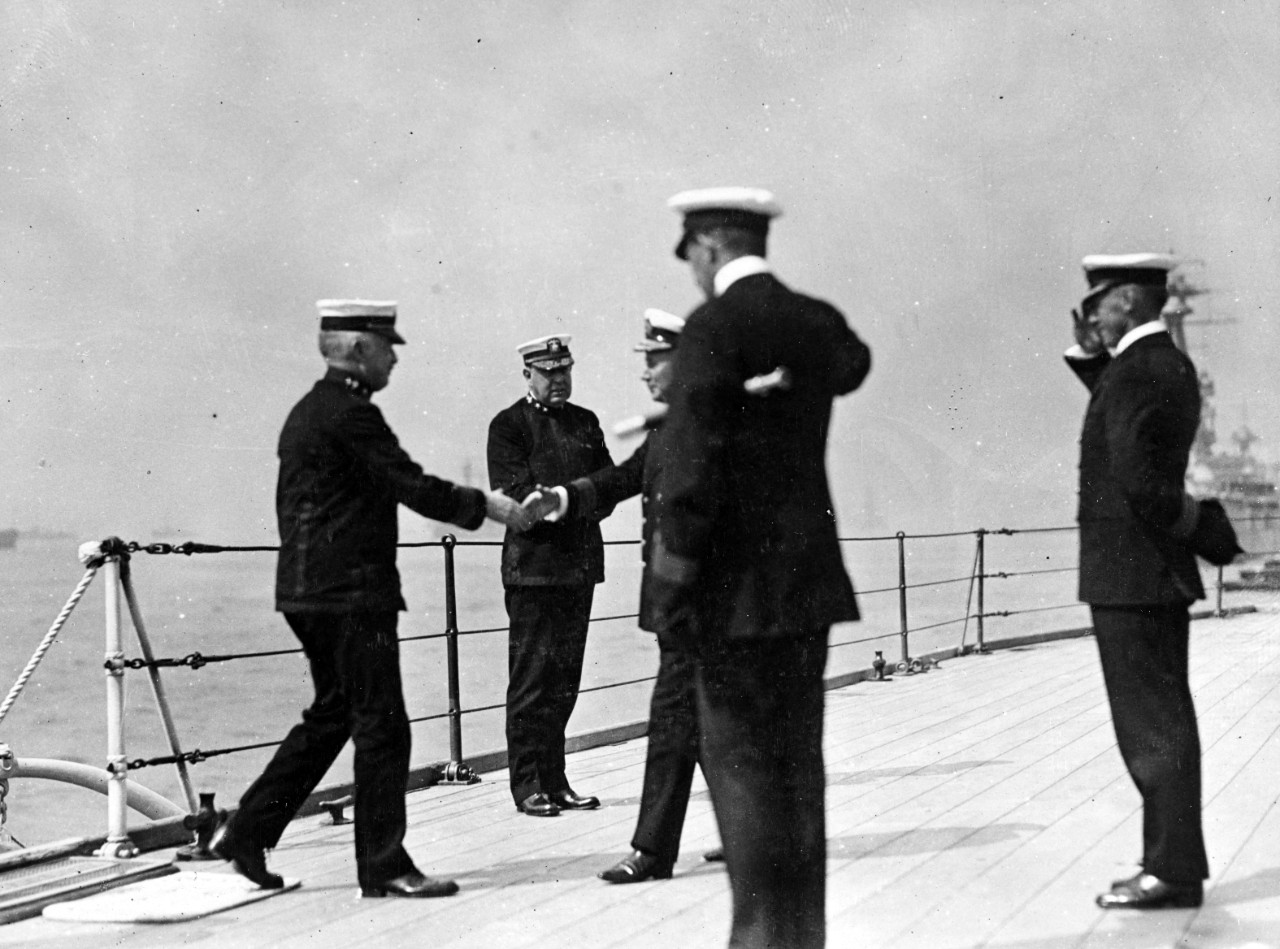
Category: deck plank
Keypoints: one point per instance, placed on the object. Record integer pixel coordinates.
(1100, 839)
(982, 803)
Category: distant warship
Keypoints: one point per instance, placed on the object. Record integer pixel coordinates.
(1246, 486)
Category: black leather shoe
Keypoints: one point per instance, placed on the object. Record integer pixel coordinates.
(1145, 891)
(714, 856)
(636, 868)
(249, 862)
(538, 805)
(412, 884)
(567, 800)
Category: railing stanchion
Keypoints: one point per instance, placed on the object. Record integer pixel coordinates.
(982, 572)
(902, 594)
(157, 688)
(455, 771)
(451, 644)
(117, 843)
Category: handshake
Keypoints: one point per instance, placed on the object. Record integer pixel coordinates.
(521, 517)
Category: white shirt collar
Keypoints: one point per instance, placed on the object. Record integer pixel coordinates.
(1149, 328)
(736, 269)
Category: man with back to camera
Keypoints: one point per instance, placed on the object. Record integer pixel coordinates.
(1138, 572)
(548, 574)
(342, 478)
(745, 562)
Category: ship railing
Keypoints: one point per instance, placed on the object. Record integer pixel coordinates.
(113, 557)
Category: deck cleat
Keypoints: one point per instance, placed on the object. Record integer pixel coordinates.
(204, 822)
(455, 772)
(334, 809)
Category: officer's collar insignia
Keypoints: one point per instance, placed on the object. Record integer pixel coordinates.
(540, 406)
(355, 385)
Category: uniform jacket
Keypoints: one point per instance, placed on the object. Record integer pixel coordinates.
(342, 476)
(606, 488)
(530, 445)
(1142, 418)
(743, 489)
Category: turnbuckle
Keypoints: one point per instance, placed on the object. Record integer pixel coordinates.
(195, 660)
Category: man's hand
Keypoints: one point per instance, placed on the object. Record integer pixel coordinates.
(541, 502)
(1088, 336)
(499, 507)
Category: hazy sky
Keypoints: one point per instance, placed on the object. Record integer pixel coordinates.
(181, 182)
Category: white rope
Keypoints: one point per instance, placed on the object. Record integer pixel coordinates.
(45, 643)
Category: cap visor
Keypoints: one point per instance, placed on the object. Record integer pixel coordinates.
(548, 364)
(1095, 294)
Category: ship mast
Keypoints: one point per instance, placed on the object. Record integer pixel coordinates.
(1176, 311)
(1174, 315)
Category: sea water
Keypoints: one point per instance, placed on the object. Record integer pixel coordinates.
(221, 604)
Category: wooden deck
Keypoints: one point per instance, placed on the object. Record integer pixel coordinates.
(980, 804)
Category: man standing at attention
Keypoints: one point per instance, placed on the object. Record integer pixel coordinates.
(342, 478)
(745, 562)
(1138, 571)
(549, 574)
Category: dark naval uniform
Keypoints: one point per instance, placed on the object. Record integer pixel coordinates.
(1139, 578)
(342, 476)
(549, 574)
(747, 567)
(672, 749)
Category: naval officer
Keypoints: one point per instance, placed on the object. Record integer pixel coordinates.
(745, 563)
(343, 476)
(549, 574)
(672, 745)
(1138, 568)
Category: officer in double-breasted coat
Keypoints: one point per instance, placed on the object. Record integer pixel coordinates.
(1138, 571)
(343, 477)
(549, 574)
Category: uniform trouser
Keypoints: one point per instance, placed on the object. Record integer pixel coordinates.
(546, 645)
(355, 668)
(760, 707)
(1144, 662)
(672, 755)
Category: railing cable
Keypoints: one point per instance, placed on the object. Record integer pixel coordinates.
(1034, 609)
(196, 756)
(188, 548)
(195, 660)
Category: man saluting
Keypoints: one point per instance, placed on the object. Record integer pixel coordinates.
(1138, 568)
